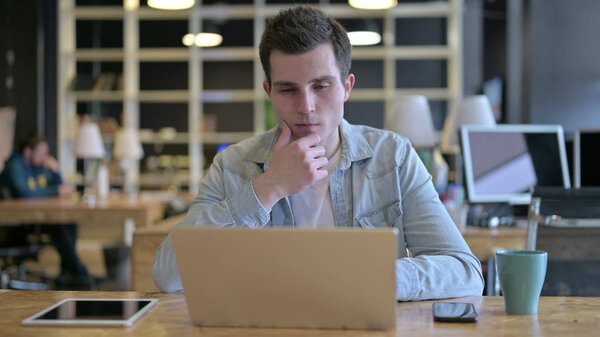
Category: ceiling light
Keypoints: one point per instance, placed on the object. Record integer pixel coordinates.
(171, 4)
(208, 39)
(364, 38)
(131, 5)
(189, 39)
(373, 4)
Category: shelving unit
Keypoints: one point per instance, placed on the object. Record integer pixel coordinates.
(195, 96)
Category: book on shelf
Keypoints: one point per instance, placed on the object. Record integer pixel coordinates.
(105, 82)
(120, 84)
(82, 82)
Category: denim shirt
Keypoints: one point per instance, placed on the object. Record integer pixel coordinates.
(380, 182)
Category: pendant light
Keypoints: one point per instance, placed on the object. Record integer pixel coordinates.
(171, 4)
(373, 4)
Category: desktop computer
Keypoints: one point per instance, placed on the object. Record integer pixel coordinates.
(503, 163)
(586, 161)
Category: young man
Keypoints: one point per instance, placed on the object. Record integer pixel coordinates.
(317, 170)
(33, 173)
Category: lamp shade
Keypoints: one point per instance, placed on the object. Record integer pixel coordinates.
(412, 119)
(364, 38)
(89, 144)
(373, 4)
(171, 4)
(363, 32)
(127, 145)
(473, 110)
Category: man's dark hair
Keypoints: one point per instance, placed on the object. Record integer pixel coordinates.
(31, 141)
(300, 29)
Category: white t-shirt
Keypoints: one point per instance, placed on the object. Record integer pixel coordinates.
(312, 207)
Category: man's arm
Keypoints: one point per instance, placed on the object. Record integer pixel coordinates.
(442, 265)
(212, 207)
(294, 166)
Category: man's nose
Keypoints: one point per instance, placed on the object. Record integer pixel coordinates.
(306, 102)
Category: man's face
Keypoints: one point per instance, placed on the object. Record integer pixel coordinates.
(307, 93)
(37, 155)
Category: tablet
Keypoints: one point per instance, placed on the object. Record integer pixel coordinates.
(92, 311)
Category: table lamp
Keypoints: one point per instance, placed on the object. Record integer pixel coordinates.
(473, 110)
(128, 149)
(412, 119)
(90, 147)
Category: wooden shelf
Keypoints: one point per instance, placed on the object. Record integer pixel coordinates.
(168, 96)
(366, 95)
(401, 53)
(131, 55)
(221, 54)
(181, 54)
(98, 96)
(246, 95)
(210, 138)
(403, 10)
(149, 180)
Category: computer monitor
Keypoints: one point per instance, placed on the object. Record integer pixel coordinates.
(586, 161)
(502, 163)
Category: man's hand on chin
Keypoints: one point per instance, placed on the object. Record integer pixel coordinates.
(295, 166)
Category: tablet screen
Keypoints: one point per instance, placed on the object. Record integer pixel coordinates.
(93, 312)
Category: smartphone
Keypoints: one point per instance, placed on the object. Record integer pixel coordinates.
(454, 312)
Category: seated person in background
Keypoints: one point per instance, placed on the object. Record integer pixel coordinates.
(33, 173)
(317, 170)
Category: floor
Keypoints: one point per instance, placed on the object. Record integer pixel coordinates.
(89, 251)
(92, 239)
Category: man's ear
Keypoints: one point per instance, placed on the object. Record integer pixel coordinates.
(348, 85)
(266, 87)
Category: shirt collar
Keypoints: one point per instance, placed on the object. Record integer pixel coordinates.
(355, 146)
(262, 151)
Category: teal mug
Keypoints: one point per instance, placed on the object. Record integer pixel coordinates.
(521, 274)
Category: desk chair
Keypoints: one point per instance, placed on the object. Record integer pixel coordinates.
(566, 224)
(14, 255)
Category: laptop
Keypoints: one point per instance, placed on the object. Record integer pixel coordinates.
(288, 278)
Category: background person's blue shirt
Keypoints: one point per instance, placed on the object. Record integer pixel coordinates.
(26, 181)
(380, 182)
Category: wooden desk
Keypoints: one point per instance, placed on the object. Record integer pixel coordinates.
(558, 316)
(484, 242)
(67, 211)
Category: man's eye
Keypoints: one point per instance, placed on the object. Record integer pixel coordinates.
(287, 90)
(321, 86)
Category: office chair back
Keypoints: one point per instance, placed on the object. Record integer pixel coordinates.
(566, 224)
(15, 251)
